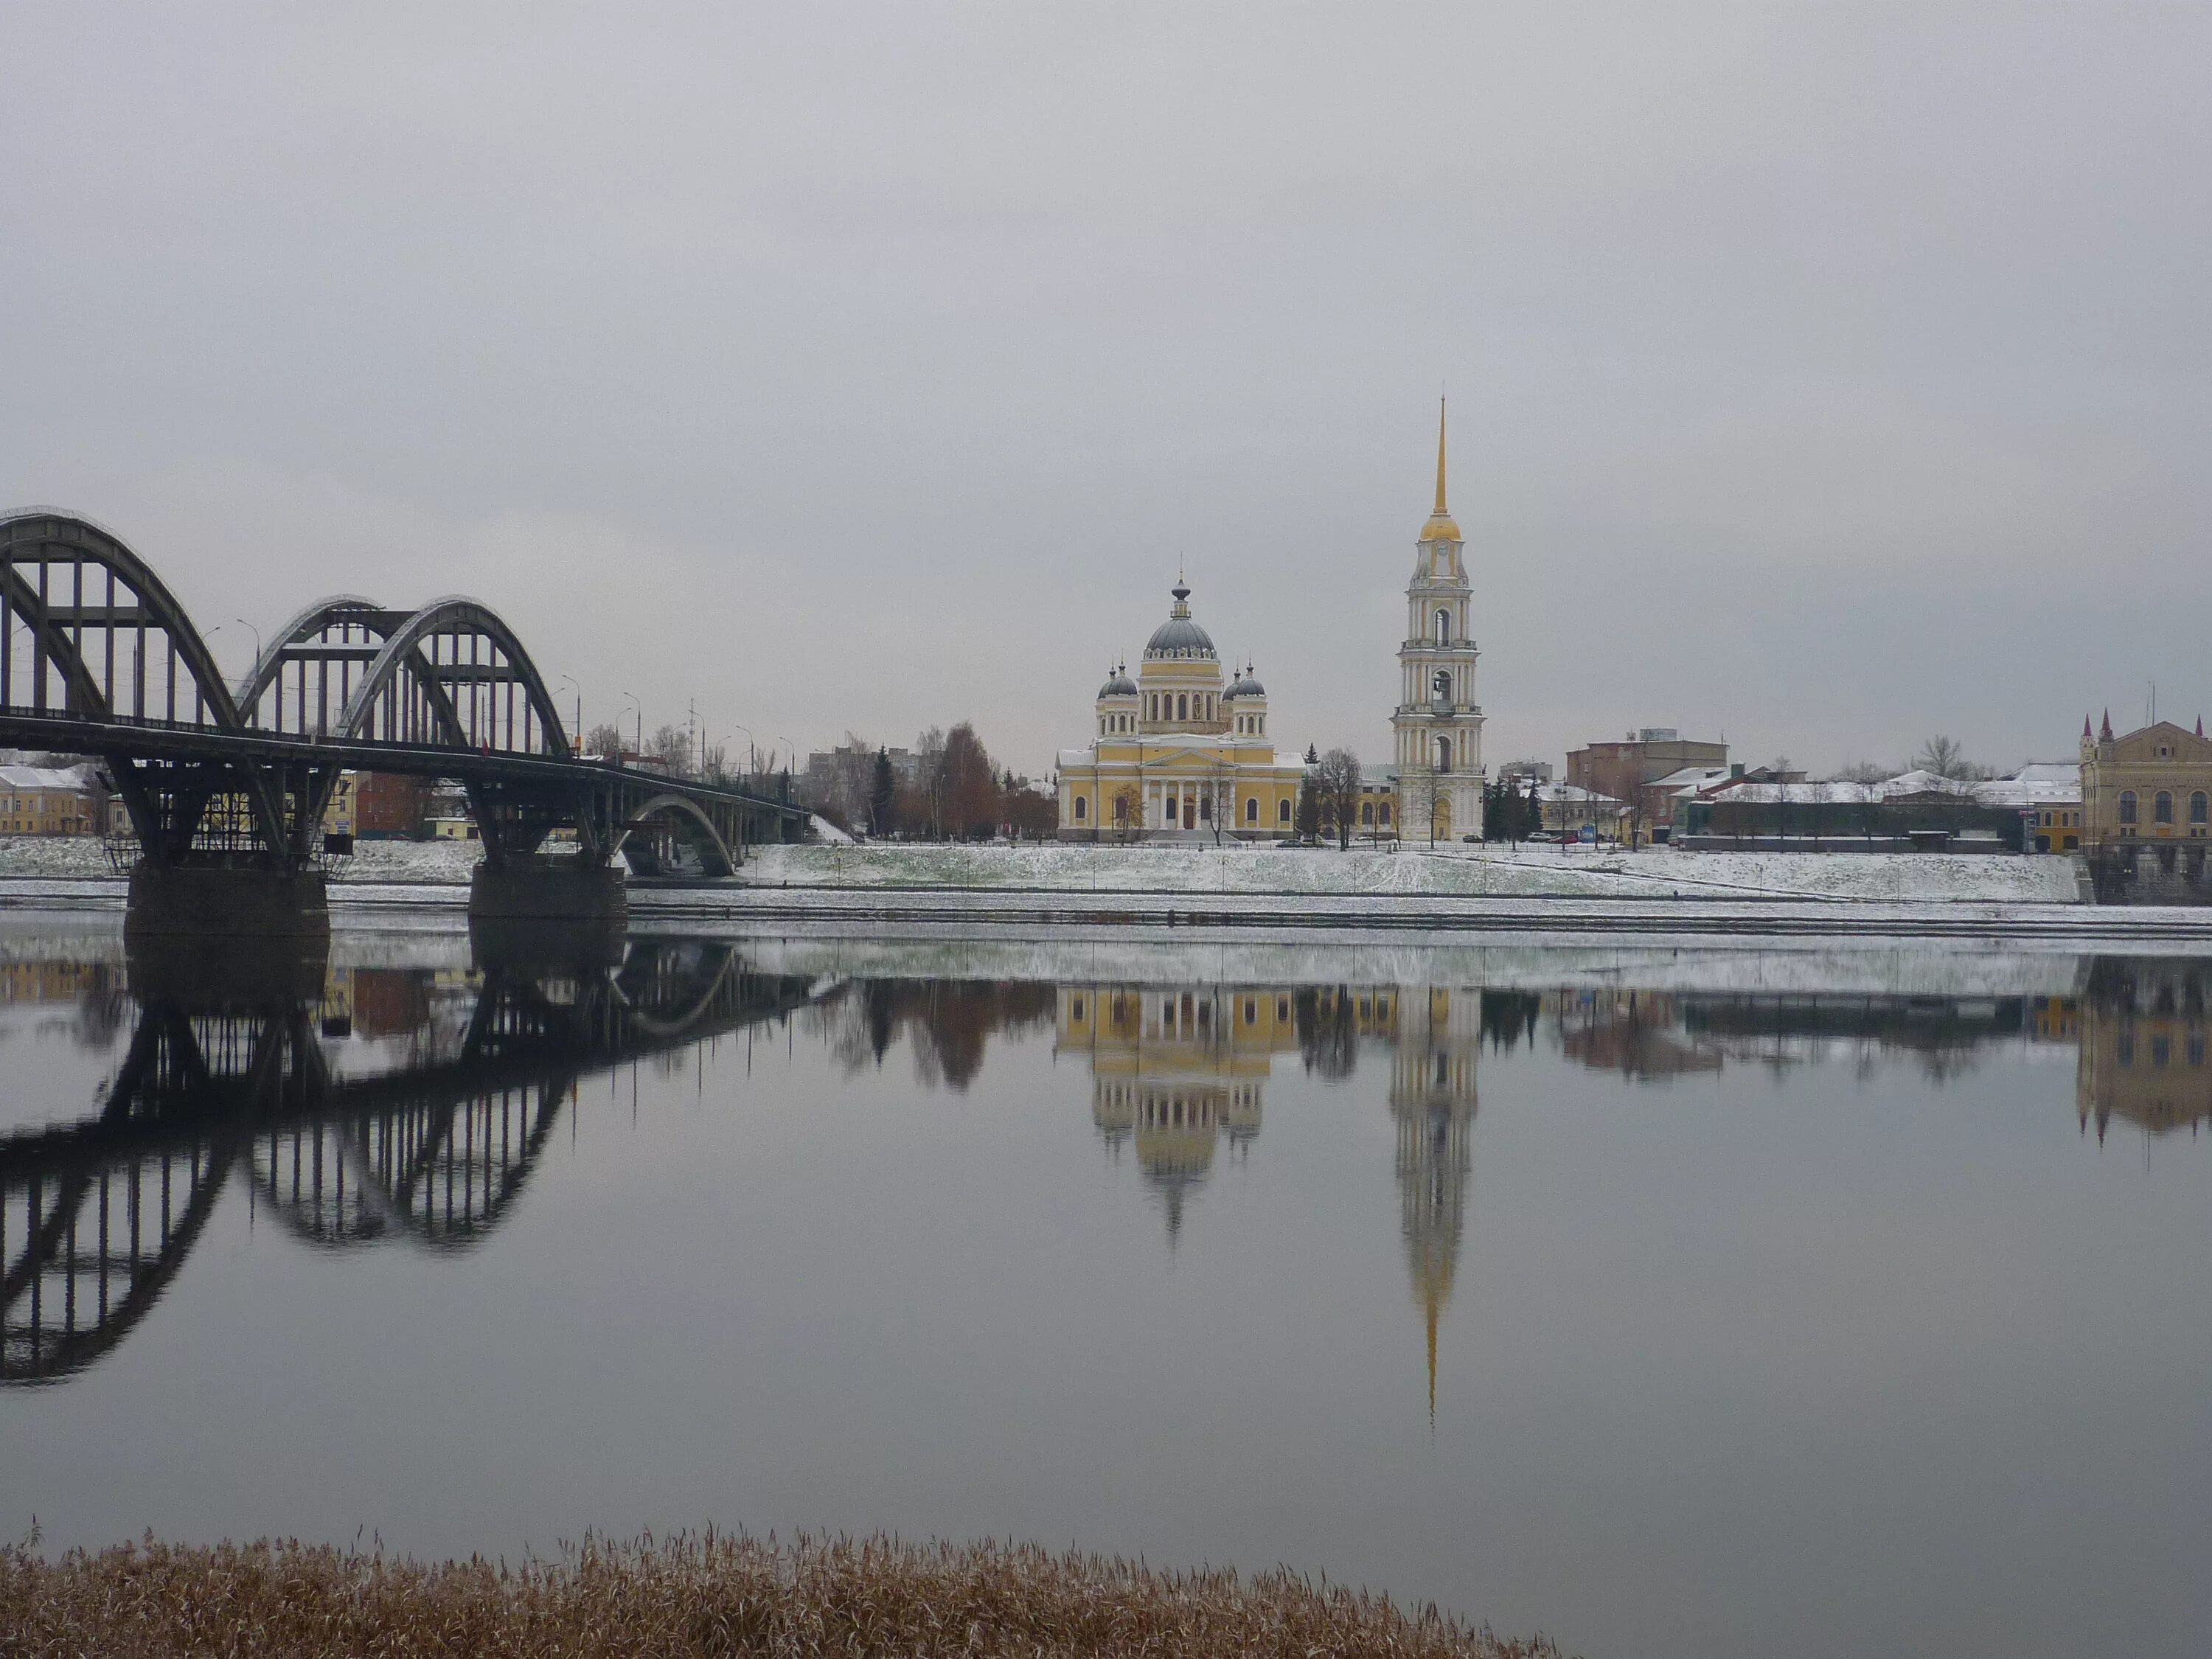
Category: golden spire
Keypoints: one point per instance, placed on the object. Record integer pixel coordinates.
(1433, 1311)
(1440, 458)
(1440, 526)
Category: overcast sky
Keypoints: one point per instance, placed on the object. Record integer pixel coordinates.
(1821, 376)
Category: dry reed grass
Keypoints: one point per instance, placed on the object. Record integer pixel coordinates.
(710, 1595)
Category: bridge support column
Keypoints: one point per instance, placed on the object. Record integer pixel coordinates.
(549, 890)
(205, 902)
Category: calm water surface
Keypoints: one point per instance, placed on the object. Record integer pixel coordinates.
(1672, 1303)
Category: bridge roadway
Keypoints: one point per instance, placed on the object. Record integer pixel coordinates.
(226, 786)
(98, 1217)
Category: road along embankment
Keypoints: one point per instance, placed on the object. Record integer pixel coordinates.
(999, 910)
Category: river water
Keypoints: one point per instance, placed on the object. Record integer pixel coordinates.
(1825, 1301)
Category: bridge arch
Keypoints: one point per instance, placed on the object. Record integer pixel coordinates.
(126, 653)
(666, 993)
(406, 694)
(688, 821)
(307, 637)
(98, 1248)
(127, 606)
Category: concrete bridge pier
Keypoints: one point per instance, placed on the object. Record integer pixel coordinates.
(545, 889)
(216, 901)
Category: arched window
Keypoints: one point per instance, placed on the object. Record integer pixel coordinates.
(2197, 804)
(1444, 754)
(1251, 809)
(2127, 806)
(1367, 813)
(1082, 807)
(1182, 708)
(1443, 627)
(1382, 816)
(2161, 806)
(1283, 811)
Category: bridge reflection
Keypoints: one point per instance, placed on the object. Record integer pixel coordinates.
(249, 1076)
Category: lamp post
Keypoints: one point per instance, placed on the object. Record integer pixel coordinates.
(242, 622)
(631, 696)
(576, 736)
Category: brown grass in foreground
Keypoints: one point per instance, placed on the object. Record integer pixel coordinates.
(708, 1595)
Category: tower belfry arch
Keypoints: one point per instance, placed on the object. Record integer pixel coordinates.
(1437, 730)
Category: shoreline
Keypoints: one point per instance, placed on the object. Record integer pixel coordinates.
(1048, 912)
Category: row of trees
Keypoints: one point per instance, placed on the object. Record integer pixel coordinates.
(679, 751)
(951, 790)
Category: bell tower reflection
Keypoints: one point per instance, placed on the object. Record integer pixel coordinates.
(1174, 1072)
(1432, 1097)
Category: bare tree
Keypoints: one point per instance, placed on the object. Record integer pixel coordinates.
(1336, 780)
(1128, 810)
(1864, 772)
(604, 740)
(969, 790)
(926, 806)
(1221, 785)
(1417, 805)
(671, 745)
(1943, 757)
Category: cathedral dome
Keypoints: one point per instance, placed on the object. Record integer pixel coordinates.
(1179, 636)
(1246, 686)
(1118, 684)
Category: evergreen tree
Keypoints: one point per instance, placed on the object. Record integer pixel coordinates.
(883, 795)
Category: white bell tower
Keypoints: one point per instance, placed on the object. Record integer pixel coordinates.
(1439, 724)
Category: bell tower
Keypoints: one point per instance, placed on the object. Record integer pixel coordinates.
(1438, 726)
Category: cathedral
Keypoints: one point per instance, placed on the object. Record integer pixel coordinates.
(1177, 755)
(1183, 753)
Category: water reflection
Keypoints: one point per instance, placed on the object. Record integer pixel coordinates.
(363, 1107)
(2143, 1045)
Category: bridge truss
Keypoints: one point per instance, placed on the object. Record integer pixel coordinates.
(97, 658)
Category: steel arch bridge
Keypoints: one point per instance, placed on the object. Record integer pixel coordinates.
(97, 657)
(97, 1217)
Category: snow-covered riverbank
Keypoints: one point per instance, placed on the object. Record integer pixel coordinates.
(83, 857)
(1474, 871)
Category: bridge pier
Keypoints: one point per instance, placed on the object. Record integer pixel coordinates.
(543, 888)
(211, 901)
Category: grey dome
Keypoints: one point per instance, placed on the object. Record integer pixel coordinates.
(1246, 686)
(1179, 636)
(1118, 684)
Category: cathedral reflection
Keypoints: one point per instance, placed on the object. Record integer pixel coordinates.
(1177, 1075)
(1174, 1072)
